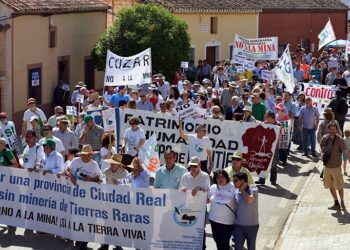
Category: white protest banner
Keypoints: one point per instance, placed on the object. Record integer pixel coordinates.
(96, 113)
(256, 141)
(347, 50)
(203, 113)
(184, 65)
(249, 65)
(257, 48)
(141, 218)
(185, 110)
(285, 134)
(327, 35)
(80, 99)
(266, 74)
(131, 70)
(239, 59)
(71, 110)
(149, 154)
(321, 94)
(109, 121)
(284, 70)
(240, 69)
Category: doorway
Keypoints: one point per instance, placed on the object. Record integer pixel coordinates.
(89, 73)
(211, 55)
(63, 69)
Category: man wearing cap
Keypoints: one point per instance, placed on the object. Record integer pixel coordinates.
(65, 134)
(54, 162)
(163, 86)
(309, 118)
(169, 175)
(8, 131)
(78, 92)
(48, 133)
(32, 111)
(258, 109)
(33, 153)
(116, 98)
(314, 80)
(247, 114)
(195, 180)
(6, 156)
(237, 167)
(199, 145)
(116, 171)
(95, 101)
(92, 133)
(139, 176)
(233, 109)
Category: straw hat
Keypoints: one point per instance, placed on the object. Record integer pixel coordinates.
(116, 159)
(194, 161)
(86, 149)
(237, 155)
(134, 164)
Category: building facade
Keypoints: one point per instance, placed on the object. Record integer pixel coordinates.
(41, 44)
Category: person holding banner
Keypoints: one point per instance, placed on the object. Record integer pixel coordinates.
(33, 153)
(139, 176)
(116, 171)
(7, 158)
(54, 162)
(134, 137)
(199, 145)
(222, 213)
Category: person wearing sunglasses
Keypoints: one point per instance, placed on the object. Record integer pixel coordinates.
(236, 167)
(134, 137)
(48, 134)
(247, 219)
(222, 213)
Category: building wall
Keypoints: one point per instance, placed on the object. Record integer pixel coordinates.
(228, 25)
(293, 27)
(76, 35)
(5, 63)
(116, 6)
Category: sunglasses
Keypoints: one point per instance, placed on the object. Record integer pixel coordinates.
(46, 129)
(194, 166)
(234, 159)
(64, 122)
(235, 180)
(132, 123)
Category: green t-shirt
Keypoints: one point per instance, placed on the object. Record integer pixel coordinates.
(6, 161)
(258, 111)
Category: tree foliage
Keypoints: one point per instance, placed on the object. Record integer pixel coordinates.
(146, 26)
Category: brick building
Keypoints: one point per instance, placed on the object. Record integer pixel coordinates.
(300, 21)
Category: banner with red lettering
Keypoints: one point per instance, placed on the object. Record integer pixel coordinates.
(256, 49)
(321, 94)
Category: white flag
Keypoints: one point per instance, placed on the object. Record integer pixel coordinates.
(149, 154)
(326, 36)
(284, 70)
(109, 121)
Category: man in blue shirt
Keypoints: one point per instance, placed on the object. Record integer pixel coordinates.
(139, 176)
(54, 162)
(121, 95)
(143, 103)
(169, 175)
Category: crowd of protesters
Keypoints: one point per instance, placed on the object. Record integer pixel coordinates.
(82, 151)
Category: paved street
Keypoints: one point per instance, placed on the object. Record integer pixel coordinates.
(276, 205)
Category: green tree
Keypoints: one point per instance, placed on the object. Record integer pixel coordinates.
(146, 26)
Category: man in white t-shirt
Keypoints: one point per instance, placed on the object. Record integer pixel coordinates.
(199, 145)
(32, 111)
(33, 154)
(84, 168)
